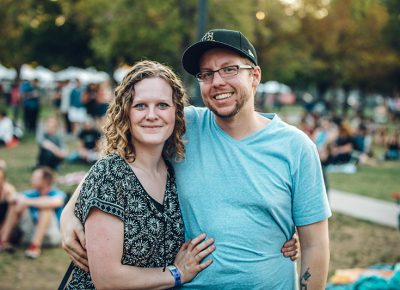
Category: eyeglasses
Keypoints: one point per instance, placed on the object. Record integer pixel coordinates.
(224, 72)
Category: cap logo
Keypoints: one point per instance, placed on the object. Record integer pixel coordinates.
(209, 36)
(249, 51)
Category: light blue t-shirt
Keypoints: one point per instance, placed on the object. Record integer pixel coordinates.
(54, 192)
(249, 195)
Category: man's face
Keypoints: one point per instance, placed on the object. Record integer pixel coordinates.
(37, 180)
(227, 97)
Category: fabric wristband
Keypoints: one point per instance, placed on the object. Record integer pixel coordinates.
(176, 274)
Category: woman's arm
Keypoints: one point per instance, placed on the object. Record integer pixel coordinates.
(72, 234)
(105, 238)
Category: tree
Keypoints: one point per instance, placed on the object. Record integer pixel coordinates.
(37, 32)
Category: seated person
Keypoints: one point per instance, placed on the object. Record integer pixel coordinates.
(340, 151)
(51, 146)
(393, 147)
(7, 193)
(38, 213)
(6, 130)
(89, 139)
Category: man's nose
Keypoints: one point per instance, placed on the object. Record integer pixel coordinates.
(217, 79)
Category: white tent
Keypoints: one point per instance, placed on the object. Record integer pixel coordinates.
(273, 87)
(86, 76)
(120, 73)
(7, 73)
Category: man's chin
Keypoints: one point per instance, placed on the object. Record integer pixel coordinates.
(227, 115)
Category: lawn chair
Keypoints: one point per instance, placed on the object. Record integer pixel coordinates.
(396, 197)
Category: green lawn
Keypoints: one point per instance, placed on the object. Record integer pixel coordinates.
(374, 181)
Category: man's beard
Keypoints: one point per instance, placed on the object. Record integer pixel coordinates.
(238, 106)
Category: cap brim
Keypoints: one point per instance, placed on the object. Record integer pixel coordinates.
(191, 56)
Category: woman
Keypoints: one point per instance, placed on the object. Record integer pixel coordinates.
(128, 202)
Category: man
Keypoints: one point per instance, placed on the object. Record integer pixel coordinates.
(89, 144)
(30, 93)
(40, 222)
(52, 149)
(248, 179)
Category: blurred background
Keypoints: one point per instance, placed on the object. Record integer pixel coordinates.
(329, 67)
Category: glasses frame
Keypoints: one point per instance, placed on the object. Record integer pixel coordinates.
(208, 78)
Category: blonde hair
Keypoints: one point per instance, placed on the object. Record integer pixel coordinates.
(117, 128)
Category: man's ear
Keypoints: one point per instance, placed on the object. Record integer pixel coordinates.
(256, 76)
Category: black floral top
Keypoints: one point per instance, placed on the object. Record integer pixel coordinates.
(153, 233)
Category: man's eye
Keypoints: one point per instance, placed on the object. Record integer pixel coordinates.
(229, 69)
(206, 74)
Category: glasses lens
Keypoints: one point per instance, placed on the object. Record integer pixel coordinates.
(228, 71)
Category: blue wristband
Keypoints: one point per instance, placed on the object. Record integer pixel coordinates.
(176, 274)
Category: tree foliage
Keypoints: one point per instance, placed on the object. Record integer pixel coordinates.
(328, 43)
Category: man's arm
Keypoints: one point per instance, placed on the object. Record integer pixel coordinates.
(57, 151)
(43, 202)
(72, 234)
(314, 240)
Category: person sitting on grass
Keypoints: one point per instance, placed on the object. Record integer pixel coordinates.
(7, 193)
(37, 212)
(89, 144)
(52, 150)
(6, 131)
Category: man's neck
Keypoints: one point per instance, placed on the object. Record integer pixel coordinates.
(243, 124)
(44, 190)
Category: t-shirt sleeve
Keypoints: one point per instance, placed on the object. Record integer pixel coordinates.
(310, 202)
(57, 193)
(102, 189)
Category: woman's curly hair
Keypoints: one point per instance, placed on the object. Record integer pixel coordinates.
(117, 128)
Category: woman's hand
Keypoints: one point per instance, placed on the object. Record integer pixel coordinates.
(291, 248)
(188, 260)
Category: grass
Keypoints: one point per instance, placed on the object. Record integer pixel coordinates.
(372, 181)
(354, 243)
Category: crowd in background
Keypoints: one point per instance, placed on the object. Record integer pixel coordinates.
(79, 114)
(80, 109)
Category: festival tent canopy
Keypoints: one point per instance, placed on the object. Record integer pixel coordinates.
(7, 73)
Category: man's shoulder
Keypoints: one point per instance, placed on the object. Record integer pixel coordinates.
(31, 193)
(56, 192)
(195, 114)
(189, 110)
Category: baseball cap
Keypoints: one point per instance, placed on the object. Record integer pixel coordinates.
(217, 38)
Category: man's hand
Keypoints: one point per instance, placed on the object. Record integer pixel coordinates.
(291, 248)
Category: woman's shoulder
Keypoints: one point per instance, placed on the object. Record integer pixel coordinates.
(111, 163)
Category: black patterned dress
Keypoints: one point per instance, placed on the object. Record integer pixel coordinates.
(153, 233)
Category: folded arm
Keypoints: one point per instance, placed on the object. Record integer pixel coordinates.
(114, 275)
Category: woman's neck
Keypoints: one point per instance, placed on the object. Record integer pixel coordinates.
(149, 160)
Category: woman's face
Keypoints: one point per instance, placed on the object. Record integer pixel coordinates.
(152, 113)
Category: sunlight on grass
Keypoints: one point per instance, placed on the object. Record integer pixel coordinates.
(377, 182)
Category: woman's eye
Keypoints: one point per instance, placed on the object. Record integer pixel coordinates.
(139, 106)
(163, 106)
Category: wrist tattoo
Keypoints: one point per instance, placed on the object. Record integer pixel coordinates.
(304, 278)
